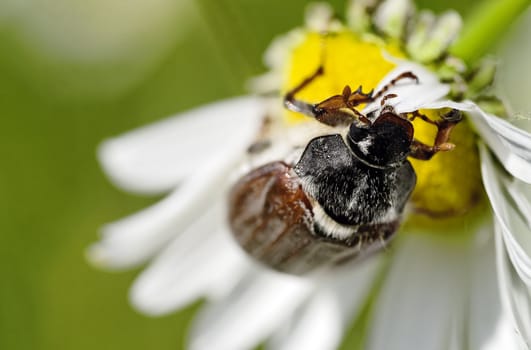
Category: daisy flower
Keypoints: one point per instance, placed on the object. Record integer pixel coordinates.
(458, 273)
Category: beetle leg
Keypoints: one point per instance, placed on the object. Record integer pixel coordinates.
(422, 151)
(445, 126)
(299, 106)
(454, 116)
(333, 111)
(346, 94)
(417, 114)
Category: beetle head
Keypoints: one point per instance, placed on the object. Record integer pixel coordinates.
(384, 143)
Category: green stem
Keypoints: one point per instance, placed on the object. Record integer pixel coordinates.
(486, 26)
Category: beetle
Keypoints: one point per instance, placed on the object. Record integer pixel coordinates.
(343, 197)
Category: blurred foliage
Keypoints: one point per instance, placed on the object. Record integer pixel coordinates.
(72, 74)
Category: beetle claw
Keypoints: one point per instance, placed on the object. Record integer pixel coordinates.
(444, 147)
(454, 116)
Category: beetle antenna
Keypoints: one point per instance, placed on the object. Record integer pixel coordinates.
(404, 75)
(299, 106)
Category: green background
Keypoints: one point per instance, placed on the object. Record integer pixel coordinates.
(57, 102)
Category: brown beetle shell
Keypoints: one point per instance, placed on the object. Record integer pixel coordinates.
(271, 217)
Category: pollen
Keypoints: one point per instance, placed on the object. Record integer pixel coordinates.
(449, 184)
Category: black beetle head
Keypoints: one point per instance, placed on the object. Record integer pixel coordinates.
(385, 143)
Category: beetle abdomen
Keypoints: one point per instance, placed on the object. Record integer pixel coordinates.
(272, 218)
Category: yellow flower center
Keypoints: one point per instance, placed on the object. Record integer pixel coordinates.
(448, 185)
(347, 61)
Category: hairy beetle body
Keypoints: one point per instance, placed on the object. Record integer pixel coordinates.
(273, 220)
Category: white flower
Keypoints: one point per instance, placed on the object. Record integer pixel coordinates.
(468, 291)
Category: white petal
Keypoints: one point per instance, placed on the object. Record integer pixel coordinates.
(321, 323)
(413, 98)
(189, 267)
(251, 313)
(503, 337)
(510, 144)
(515, 295)
(318, 16)
(455, 338)
(136, 238)
(488, 325)
(410, 96)
(422, 27)
(358, 15)
(467, 106)
(318, 326)
(517, 166)
(440, 36)
(423, 298)
(513, 78)
(518, 139)
(391, 17)
(156, 158)
(513, 222)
